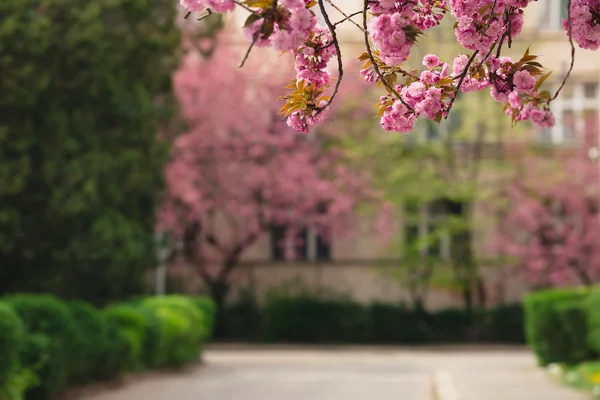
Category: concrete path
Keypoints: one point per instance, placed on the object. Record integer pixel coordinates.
(351, 374)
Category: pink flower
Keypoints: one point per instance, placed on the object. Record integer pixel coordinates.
(431, 61)
(585, 26)
(523, 81)
(542, 118)
(219, 6)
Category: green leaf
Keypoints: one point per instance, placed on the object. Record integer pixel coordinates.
(252, 18)
(540, 81)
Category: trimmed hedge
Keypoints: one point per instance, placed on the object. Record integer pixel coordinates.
(11, 332)
(46, 343)
(557, 325)
(89, 340)
(319, 317)
(51, 320)
(593, 320)
(183, 328)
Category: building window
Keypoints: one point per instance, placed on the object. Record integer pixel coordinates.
(424, 229)
(552, 14)
(575, 111)
(307, 245)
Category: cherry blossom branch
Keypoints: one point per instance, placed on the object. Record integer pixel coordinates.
(255, 36)
(249, 50)
(390, 89)
(336, 44)
(462, 76)
(245, 7)
(570, 34)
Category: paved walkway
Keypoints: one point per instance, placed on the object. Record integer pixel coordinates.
(351, 374)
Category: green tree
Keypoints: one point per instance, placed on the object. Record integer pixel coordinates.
(85, 87)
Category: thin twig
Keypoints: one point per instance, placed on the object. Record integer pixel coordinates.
(490, 20)
(499, 50)
(484, 32)
(245, 7)
(187, 14)
(254, 39)
(390, 89)
(462, 77)
(336, 44)
(570, 33)
(347, 17)
(209, 12)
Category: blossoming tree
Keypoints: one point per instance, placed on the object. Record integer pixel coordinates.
(551, 221)
(391, 28)
(237, 171)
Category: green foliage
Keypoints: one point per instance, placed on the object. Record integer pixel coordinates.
(209, 310)
(16, 385)
(85, 87)
(505, 324)
(307, 318)
(151, 346)
(117, 352)
(48, 316)
(396, 323)
(46, 343)
(89, 341)
(183, 328)
(130, 324)
(317, 316)
(584, 376)
(593, 320)
(45, 356)
(556, 325)
(242, 320)
(11, 331)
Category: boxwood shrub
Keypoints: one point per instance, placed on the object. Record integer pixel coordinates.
(48, 317)
(11, 332)
(556, 325)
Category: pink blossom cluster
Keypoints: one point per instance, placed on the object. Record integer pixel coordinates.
(292, 21)
(312, 57)
(516, 88)
(300, 121)
(428, 96)
(480, 23)
(397, 23)
(219, 6)
(249, 171)
(423, 14)
(388, 34)
(393, 29)
(585, 23)
(550, 225)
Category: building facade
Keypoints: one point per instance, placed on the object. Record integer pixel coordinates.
(357, 265)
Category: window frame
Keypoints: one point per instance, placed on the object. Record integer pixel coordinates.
(314, 249)
(577, 104)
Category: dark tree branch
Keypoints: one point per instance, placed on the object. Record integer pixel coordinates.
(335, 42)
(570, 34)
(390, 89)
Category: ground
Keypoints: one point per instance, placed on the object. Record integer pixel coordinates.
(267, 373)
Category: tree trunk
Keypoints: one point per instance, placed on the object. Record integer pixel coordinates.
(218, 292)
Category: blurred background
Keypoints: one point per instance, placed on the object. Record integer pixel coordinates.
(151, 197)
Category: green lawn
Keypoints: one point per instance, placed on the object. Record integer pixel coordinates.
(584, 376)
